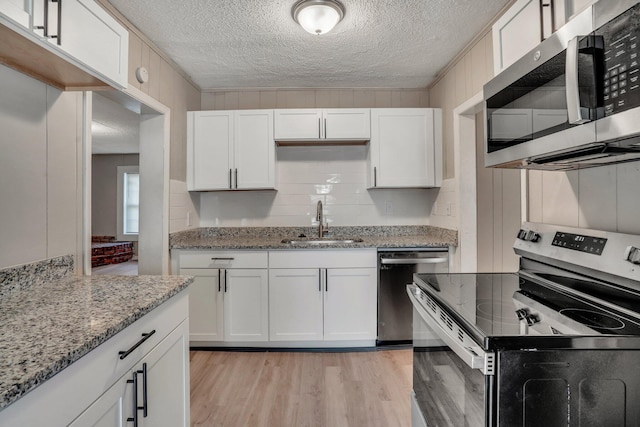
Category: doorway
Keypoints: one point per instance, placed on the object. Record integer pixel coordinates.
(128, 129)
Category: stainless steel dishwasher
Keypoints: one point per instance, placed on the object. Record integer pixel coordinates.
(395, 270)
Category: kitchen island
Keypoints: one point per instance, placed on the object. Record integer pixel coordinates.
(55, 327)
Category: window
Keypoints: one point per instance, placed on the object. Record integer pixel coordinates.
(128, 194)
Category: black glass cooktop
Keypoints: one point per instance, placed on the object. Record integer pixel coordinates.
(487, 305)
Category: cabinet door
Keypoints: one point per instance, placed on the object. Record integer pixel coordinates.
(111, 409)
(205, 305)
(246, 305)
(298, 124)
(517, 32)
(209, 150)
(16, 10)
(295, 305)
(167, 382)
(345, 124)
(254, 149)
(350, 304)
(405, 148)
(90, 35)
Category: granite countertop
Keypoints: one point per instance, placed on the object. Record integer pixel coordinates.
(44, 327)
(261, 238)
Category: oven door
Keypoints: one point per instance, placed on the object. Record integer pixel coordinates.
(447, 390)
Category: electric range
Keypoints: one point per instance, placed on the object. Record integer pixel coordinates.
(555, 343)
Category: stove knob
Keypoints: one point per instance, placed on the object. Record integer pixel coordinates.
(632, 254)
(528, 235)
(522, 314)
(532, 319)
(532, 236)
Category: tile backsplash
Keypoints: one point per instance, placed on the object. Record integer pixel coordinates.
(335, 175)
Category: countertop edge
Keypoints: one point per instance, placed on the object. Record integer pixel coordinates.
(19, 390)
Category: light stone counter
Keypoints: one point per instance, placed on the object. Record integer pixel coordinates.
(49, 318)
(267, 238)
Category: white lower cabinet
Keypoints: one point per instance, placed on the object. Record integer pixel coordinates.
(160, 390)
(246, 305)
(322, 304)
(296, 304)
(228, 300)
(331, 299)
(98, 389)
(206, 304)
(350, 304)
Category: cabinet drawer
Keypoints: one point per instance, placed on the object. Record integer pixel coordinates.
(223, 259)
(340, 258)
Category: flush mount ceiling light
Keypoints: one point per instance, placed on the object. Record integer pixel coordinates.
(317, 16)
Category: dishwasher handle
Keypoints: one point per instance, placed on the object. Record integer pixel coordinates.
(411, 261)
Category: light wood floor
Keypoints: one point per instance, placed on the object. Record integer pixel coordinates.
(301, 389)
(129, 268)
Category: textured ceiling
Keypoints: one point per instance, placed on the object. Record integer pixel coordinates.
(114, 129)
(256, 44)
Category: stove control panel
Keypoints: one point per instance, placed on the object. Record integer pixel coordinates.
(579, 242)
(632, 254)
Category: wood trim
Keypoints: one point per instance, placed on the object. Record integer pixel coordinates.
(28, 57)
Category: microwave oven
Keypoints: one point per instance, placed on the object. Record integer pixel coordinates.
(574, 100)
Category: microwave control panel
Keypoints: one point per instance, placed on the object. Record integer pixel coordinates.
(621, 88)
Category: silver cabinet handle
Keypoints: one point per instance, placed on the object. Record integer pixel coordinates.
(405, 261)
(574, 110)
(230, 182)
(222, 259)
(45, 23)
(325, 127)
(319, 280)
(319, 128)
(236, 178)
(375, 177)
(59, 36)
(326, 280)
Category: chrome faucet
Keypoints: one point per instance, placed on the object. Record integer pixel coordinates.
(322, 229)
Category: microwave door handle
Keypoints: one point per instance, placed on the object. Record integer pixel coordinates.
(573, 91)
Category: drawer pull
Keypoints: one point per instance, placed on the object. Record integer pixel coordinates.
(134, 381)
(145, 337)
(222, 259)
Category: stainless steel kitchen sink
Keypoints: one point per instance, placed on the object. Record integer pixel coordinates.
(327, 241)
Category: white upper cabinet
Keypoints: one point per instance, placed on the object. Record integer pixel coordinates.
(16, 10)
(229, 150)
(90, 47)
(340, 124)
(526, 24)
(254, 149)
(406, 148)
(90, 35)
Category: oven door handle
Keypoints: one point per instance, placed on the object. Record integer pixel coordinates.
(475, 357)
(434, 260)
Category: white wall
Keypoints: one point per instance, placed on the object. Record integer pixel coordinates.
(39, 180)
(104, 182)
(606, 198)
(335, 175)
